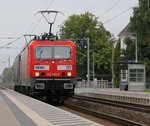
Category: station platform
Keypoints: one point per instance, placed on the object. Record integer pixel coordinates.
(115, 94)
(20, 110)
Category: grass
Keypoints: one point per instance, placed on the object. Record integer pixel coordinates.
(147, 90)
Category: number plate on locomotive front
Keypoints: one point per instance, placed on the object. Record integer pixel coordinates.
(68, 86)
(64, 67)
(39, 86)
(41, 67)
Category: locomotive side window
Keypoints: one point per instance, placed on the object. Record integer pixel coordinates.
(53, 52)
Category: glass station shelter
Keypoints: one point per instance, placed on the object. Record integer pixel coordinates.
(132, 76)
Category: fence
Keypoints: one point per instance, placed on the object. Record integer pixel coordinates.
(94, 84)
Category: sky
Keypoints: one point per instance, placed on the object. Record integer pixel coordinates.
(17, 17)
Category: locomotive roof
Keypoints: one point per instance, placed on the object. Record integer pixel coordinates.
(57, 42)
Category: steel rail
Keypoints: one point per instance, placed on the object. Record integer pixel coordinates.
(116, 119)
(117, 104)
(131, 106)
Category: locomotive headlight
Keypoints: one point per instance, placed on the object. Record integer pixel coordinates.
(37, 74)
(69, 74)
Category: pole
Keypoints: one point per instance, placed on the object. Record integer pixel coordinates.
(88, 62)
(148, 4)
(50, 28)
(8, 61)
(112, 63)
(93, 67)
(136, 60)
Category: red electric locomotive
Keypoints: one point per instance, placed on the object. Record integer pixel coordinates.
(46, 68)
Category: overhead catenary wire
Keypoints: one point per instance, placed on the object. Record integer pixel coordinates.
(112, 7)
(117, 15)
(10, 47)
(8, 37)
(50, 4)
(32, 24)
(43, 4)
(3, 58)
(41, 17)
(10, 42)
(5, 46)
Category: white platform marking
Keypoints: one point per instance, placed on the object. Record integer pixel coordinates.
(31, 114)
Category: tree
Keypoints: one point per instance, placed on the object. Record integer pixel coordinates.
(129, 51)
(7, 75)
(140, 24)
(117, 65)
(79, 27)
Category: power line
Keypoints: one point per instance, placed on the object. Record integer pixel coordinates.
(117, 15)
(32, 29)
(112, 7)
(44, 4)
(148, 4)
(10, 43)
(5, 46)
(3, 58)
(41, 17)
(36, 24)
(8, 37)
(11, 47)
(50, 4)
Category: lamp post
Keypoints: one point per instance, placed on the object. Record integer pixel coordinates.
(93, 67)
(136, 60)
(88, 62)
(8, 61)
(93, 62)
(88, 59)
(112, 60)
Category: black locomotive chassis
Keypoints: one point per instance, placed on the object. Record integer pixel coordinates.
(53, 89)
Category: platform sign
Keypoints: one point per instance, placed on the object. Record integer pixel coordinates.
(131, 61)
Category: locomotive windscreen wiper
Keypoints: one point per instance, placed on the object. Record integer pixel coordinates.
(40, 54)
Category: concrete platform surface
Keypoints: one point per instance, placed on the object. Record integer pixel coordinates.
(6, 115)
(19, 110)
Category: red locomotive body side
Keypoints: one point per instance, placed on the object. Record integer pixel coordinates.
(54, 67)
(24, 66)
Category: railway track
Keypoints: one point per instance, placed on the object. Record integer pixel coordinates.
(2, 88)
(7, 86)
(131, 106)
(99, 108)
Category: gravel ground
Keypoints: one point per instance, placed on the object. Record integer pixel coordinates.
(133, 115)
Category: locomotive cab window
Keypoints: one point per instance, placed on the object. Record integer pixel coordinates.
(43, 52)
(53, 52)
(62, 52)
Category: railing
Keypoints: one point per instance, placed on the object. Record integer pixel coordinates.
(94, 84)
